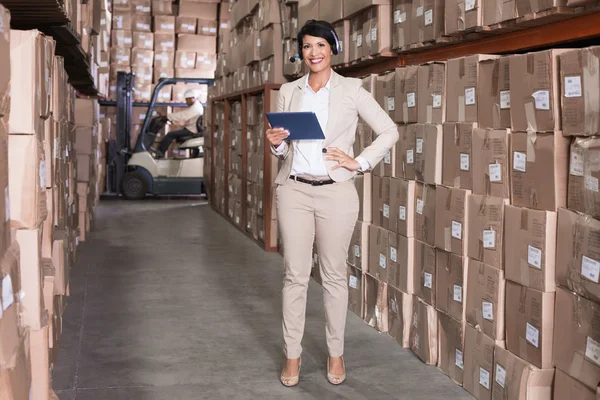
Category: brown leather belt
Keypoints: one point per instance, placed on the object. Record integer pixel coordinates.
(311, 182)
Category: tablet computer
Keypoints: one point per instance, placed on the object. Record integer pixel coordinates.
(301, 125)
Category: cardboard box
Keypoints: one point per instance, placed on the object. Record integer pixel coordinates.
(401, 263)
(580, 83)
(425, 265)
(499, 11)
(377, 31)
(457, 159)
(424, 332)
(186, 25)
(451, 215)
(530, 324)
(401, 32)
(140, 6)
(407, 90)
(33, 310)
(387, 166)
(451, 347)
(486, 229)
(40, 363)
(463, 76)
(494, 93)
(516, 379)
(164, 42)
(342, 30)
(270, 42)
(352, 7)
(364, 184)
(268, 13)
(577, 261)
(143, 40)
(425, 213)
(164, 59)
(478, 364)
(451, 288)
(428, 154)
(356, 36)
(576, 350)
(381, 201)
(16, 383)
(461, 15)
(431, 94)
(85, 140)
(185, 59)
(120, 56)
(491, 165)
(530, 247)
(123, 39)
(191, 8)
(375, 303)
(331, 11)
(207, 27)
(271, 70)
(539, 164)
(141, 23)
(27, 182)
(427, 20)
(566, 387)
(379, 250)
(400, 307)
(534, 91)
(9, 324)
(122, 20)
(388, 95)
(358, 252)
(355, 290)
(583, 190)
(525, 7)
(60, 260)
(485, 299)
(197, 43)
(402, 207)
(142, 58)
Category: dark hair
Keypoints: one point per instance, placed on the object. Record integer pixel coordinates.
(322, 29)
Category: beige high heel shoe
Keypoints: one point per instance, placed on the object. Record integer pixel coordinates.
(290, 381)
(336, 379)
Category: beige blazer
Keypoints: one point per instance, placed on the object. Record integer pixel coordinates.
(347, 100)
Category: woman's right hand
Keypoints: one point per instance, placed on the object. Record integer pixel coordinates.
(277, 135)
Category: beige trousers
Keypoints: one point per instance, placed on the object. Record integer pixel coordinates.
(329, 212)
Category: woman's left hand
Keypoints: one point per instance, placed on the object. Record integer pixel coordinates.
(343, 159)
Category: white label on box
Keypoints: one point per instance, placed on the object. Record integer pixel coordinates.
(394, 306)
(459, 359)
(419, 11)
(190, 63)
(437, 101)
(542, 100)
(464, 162)
(341, 42)
(428, 281)
(212, 30)
(353, 282)
(419, 146)
(43, 174)
(457, 294)
(386, 211)
(534, 257)
(373, 34)
(500, 375)
(532, 335)
(428, 17)
(470, 5)
(391, 103)
(402, 213)
(495, 172)
(420, 204)
(489, 239)
(388, 158)
(127, 40)
(592, 350)
(148, 42)
(411, 99)
(410, 156)
(359, 40)
(484, 378)
(7, 292)
(505, 99)
(573, 86)
(519, 161)
(6, 205)
(591, 183)
(393, 254)
(457, 230)
(399, 17)
(487, 310)
(469, 96)
(590, 269)
(168, 45)
(382, 261)
(356, 250)
(576, 168)
(168, 27)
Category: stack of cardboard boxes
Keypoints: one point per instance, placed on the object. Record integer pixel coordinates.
(95, 26)
(234, 148)
(255, 189)
(218, 145)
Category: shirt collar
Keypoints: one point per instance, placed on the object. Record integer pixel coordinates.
(327, 86)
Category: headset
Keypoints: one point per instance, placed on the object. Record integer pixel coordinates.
(336, 50)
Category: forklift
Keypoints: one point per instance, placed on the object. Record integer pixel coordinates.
(134, 173)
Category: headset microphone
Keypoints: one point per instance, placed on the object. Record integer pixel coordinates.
(295, 58)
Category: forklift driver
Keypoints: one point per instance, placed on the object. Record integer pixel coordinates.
(187, 117)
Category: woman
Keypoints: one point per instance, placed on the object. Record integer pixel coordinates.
(316, 195)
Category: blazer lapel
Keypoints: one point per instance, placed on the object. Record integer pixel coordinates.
(335, 99)
(295, 103)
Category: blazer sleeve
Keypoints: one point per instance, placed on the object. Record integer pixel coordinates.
(384, 127)
(285, 151)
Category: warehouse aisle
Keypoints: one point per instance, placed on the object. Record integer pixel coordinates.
(171, 302)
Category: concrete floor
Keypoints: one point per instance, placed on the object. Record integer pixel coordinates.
(170, 302)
